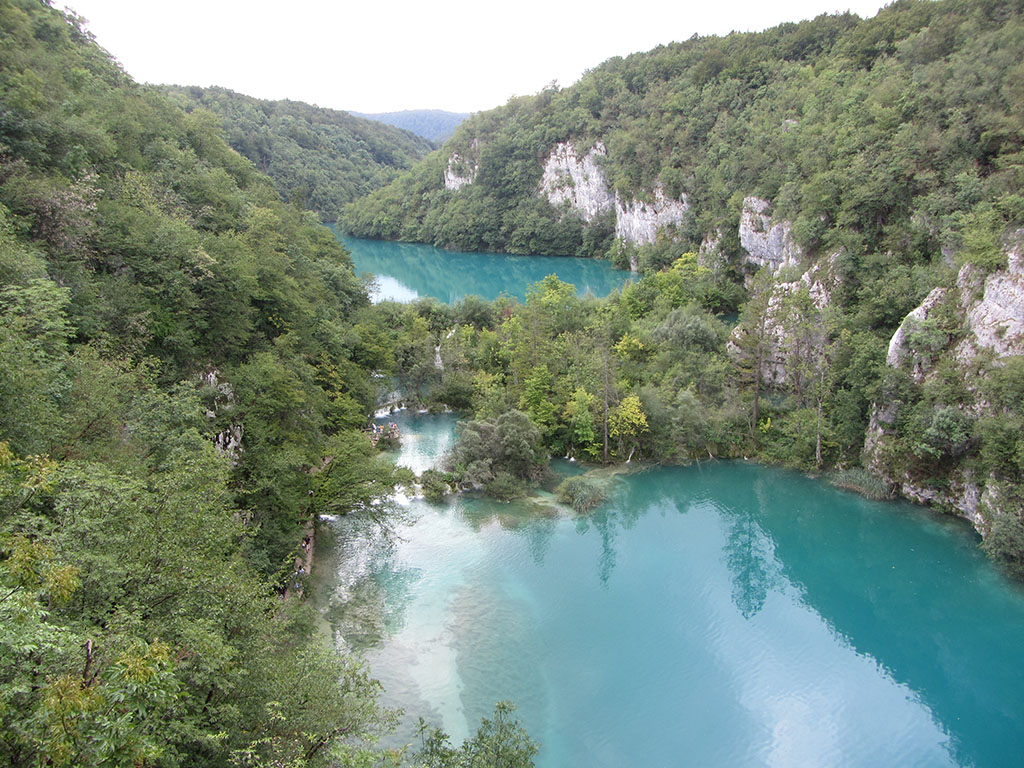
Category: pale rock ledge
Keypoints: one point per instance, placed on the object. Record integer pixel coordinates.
(768, 243)
(568, 178)
(580, 182)
(459, 173)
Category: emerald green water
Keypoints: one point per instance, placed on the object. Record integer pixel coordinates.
(408, 271)
(725, 614)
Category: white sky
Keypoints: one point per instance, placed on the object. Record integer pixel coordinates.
(366, 56)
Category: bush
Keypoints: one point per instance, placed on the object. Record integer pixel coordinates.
(505, 487)
(1005, 543)
(435, 484)
(581, 493)
(503, 456)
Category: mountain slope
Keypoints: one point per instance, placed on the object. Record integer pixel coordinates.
(860, 178)
(433, 124)
(319, 158)
(173, 359)
(877, 134)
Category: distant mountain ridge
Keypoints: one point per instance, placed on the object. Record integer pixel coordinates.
(433, 124)
(318, 158)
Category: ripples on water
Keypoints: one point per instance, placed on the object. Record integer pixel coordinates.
(717, 615)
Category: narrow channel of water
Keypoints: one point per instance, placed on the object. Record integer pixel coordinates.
(723, 614)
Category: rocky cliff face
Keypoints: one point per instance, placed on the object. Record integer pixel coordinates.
(990, 313)
(580, 182)
(639, 221)
(768, 243)
(458, 173)
(820, 282)
(220, 397)
(996, 321)
(900, 351)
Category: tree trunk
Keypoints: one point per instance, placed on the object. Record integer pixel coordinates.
(817, 447)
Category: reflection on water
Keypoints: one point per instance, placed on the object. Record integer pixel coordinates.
(731, 613)
(752, 563)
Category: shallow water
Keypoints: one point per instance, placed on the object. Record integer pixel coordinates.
(408, 271)
(716, 615)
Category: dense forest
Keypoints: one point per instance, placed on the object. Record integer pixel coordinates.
(850, 189)
(176, 359)
(188, 361)
(897, 133)
(433, 124)
(319, 159)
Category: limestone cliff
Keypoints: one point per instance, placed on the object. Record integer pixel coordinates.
(639, 221)
(768, 242)
(820, 282)
(458, 173)
(975, 324)
(579, 182)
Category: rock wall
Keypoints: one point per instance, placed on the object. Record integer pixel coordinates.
(996, 321)
(820, 282)
(991, 309)
(899, 348)
(578, 181)
(638, 221)
(221, 397)
(768, 243)
(459, 173)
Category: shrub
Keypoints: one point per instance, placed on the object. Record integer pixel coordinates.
(581, 493)
(435, 484)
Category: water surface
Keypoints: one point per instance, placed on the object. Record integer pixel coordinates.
(724, 614)
(408, 271)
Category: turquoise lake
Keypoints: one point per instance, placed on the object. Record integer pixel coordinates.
(722, 614)
(408, 271)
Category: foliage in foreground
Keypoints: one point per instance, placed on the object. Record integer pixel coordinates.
(177, 402)
(500, 742)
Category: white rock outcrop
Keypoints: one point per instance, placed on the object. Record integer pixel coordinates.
(228, 441)
(992, 312)
(459, 173)
(768, 243)
(996, 322)
(578, 181)
(899, 349)
(820, 282)
(638, 221)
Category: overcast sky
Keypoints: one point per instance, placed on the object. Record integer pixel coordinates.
(458, 55)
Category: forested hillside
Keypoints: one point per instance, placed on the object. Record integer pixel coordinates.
(891, 133)
(319, 159)
(827, 216)
(433, 124)
(852, 188)
(175, 360)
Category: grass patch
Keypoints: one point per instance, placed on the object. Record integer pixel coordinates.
(582, 493)
(860, 481)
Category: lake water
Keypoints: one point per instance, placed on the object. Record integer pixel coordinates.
(408, 271)
(723, 614)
